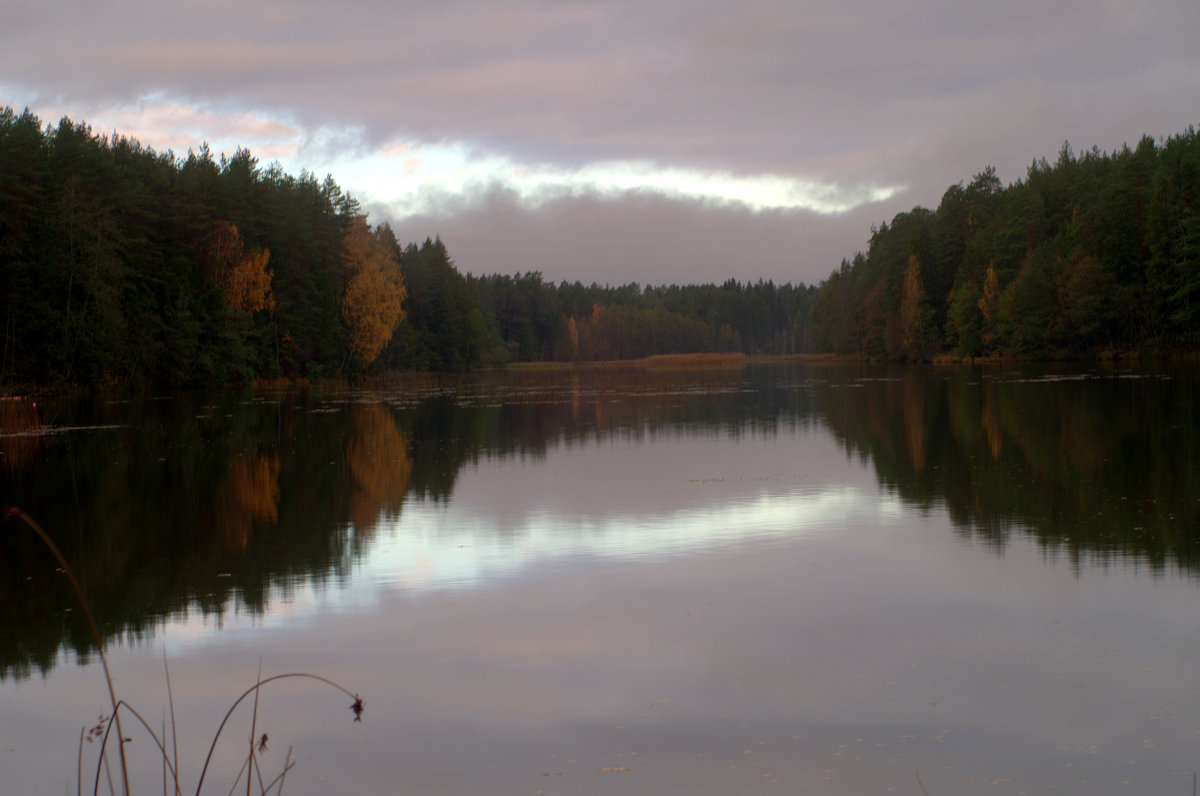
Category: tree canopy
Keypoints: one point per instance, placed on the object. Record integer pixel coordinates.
(1099, 252)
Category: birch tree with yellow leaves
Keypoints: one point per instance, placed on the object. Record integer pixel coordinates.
(373, 304)
(243, 277)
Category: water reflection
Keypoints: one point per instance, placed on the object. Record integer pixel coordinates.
(249, 497)
(1101, 466)
(435, 548)
(378, 464)
(206, 504)
(20, 432)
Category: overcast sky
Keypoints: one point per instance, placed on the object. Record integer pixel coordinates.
(620, 140)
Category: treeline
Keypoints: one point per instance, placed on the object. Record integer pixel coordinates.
(455, 322)
(535, 320)
(1099, 252)
(122, 265)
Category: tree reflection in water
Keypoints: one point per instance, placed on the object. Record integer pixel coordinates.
(152, 499)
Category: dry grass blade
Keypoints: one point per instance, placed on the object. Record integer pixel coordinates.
(279, 778)
(238, 778)
(164, 766)
(287, 766)
(357, 706)
(149, 731)
(174, 733)
(253, 732)
(170, 760)
(13, 511)
(108, 772)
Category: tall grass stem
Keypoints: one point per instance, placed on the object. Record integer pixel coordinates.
(13, 511)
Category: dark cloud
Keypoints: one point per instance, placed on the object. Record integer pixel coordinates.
(920, 94)
(642, 237)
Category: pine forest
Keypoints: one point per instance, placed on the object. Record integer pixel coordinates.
(124, 266)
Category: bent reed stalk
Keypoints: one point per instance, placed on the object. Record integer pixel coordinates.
(13, 511)
(170, 760)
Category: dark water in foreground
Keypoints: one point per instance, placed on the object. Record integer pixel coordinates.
(779, 580)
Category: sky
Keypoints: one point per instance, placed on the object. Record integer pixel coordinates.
(611, 141)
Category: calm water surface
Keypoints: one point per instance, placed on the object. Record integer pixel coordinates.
(781, 580)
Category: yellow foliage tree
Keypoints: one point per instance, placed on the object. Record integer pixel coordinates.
(573, 333)
(375, 292)
(247, 286)
(991, 292)
(987, 306)
(244, 278)
(912, 325)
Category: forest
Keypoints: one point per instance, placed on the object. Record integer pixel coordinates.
(125, 266)
(122, 266)
(1096, 254)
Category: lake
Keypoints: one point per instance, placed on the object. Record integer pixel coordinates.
(763, 579)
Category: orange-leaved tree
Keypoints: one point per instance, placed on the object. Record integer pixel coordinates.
(373, 304)
(243, 277)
